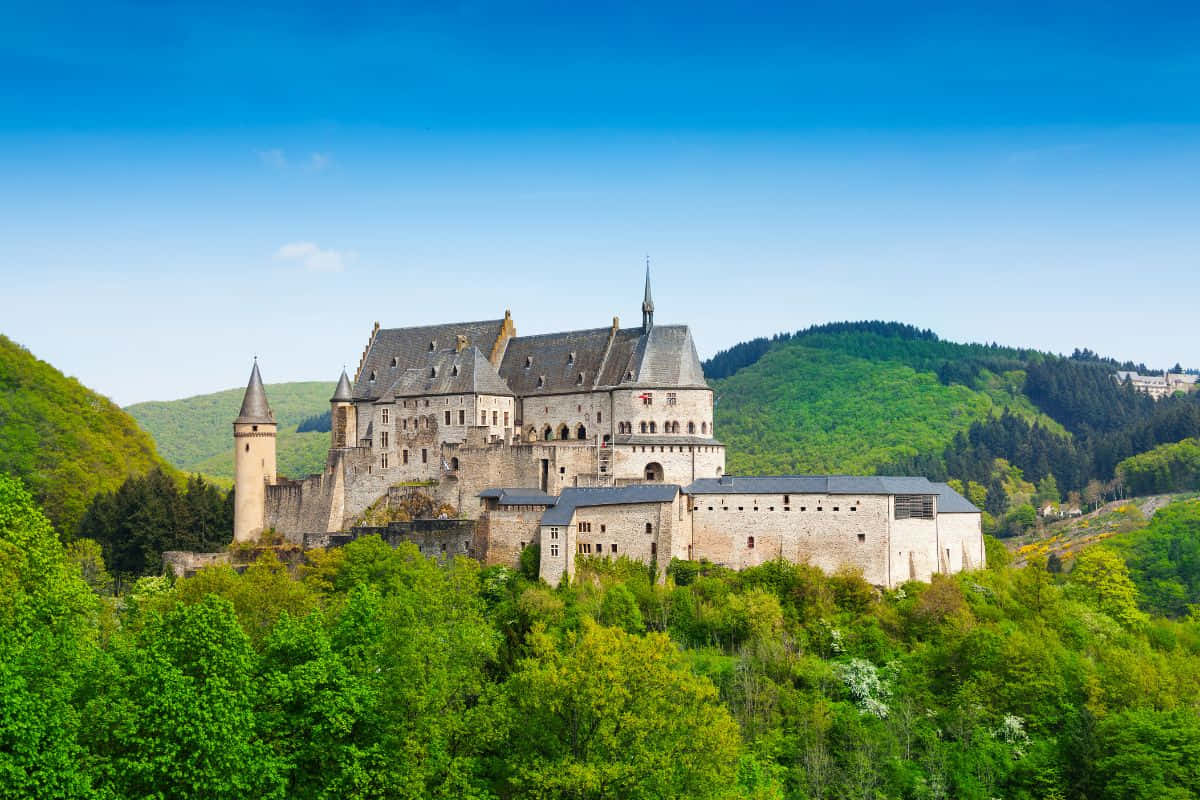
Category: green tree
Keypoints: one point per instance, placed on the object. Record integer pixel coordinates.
(609, 715)
(619, 609)
(1103, 579)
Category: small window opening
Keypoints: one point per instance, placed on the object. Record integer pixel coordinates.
(750, 542)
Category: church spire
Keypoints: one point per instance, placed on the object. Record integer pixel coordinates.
(647, 303)
(254, 403)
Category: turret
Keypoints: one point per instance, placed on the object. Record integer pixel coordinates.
(253, 460)
(647, 303)
(343, 415)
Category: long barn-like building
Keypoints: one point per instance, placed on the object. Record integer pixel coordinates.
(609, 432)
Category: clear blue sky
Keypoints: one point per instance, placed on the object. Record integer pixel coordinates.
(182, 187)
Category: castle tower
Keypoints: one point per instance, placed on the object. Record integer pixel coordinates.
(343, 415)
(647, 303)
(253, 460)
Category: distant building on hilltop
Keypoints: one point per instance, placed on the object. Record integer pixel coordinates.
(1159, 386)
(609, 432)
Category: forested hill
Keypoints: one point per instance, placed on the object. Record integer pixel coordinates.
(196, 434)
(878, 396)
(65, 441)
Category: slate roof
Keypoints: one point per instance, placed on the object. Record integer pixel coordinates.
(410, 348)
(343, 393)
(951, 502)
(574, 361)
(572, 498)
(447, 372)
(519, 497)
(812, 484)
(254, 403)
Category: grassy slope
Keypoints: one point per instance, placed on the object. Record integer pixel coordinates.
(196, 433)
(826, 409)
(64, 440)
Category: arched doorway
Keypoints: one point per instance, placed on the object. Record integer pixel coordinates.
(654, 472)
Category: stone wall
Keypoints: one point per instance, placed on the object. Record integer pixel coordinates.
(679, 463)
(827, 531)
(505, 533)
(666, 406)
(962, 535)
(185, 563)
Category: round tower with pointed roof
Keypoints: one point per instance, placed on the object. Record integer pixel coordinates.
(343, 415)
(253, 460)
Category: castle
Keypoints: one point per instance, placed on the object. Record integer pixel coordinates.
(589, 442)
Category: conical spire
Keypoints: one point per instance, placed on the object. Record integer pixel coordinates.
(647, 302)
(254, 405)
(343, 393)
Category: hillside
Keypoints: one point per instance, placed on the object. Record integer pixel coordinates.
(852, 400)
(195, 433)
(63, 440)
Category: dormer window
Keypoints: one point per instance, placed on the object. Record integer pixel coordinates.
(395, 361)
(433, 372)
(579, 380)
(528, 362)
(628, 376)
(372, 376)
(541, 381)
(454, 371)
(571, 358)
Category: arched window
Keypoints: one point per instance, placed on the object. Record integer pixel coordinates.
(653, 429)
(581, 432)
(691, 427)
(454, 463)
(649, 527)
(564, 433)
(654, 472)
(643, 427)
(548, 434)
(704, 427)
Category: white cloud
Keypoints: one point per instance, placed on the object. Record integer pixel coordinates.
(318, 161)
(273, 158)
(313, 258)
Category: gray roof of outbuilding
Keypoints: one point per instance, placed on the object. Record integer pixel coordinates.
(951, 502)
(812, 484)
(519, 497)
(410, 348)
(447, 372)
(561, 512)
(255, 407)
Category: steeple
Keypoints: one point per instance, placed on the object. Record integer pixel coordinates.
(343, 393)
(254, 404)
(647, 303)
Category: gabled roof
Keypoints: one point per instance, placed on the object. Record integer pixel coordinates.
(811, 484)
(448, 372)
(255, 408)
(951, 502)
(519, 497)
(410, 348)
(572, 498)
(578, 361)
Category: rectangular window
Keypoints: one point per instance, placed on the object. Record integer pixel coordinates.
(914, 506)
(383, 461)
(787, 499)
(483, 418)
(554, 550)
(862, 537)
(462, 417)
(599, 417)
(506, 419)
(614, 547)
(495, 418)
(404, 456)
(424, 456)
(602, 527)
(653, 548)
(384, 415)
(404, 423)
(447, 417)
(554, 533)
(670, 398)
(383, 439)
(647, 399)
